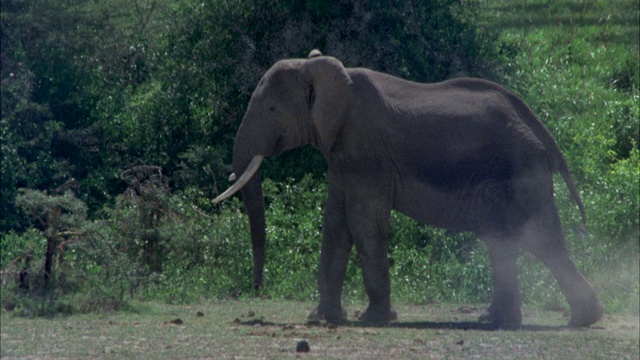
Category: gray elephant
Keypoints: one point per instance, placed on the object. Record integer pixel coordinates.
(464, 155)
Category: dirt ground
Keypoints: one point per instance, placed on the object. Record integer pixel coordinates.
(273, 329)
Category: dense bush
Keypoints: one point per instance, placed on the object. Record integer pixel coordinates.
(89, 89)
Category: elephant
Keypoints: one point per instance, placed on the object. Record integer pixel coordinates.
(464, 155)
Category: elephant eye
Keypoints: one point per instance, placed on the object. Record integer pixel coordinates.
(272, 109)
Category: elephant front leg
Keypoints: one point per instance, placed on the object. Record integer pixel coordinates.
(505, 309)
(378, 286)
(334, 256)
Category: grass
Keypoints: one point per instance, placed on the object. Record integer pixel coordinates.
(271, 329)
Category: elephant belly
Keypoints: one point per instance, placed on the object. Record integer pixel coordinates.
(457, 210)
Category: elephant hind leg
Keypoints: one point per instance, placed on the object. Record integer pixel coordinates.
(544, 238)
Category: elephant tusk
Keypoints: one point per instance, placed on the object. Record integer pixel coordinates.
(254, 165)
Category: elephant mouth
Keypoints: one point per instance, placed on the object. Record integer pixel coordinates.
(279, 146)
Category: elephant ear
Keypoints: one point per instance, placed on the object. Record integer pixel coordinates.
(329, 97)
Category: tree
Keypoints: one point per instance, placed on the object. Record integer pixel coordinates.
(66, 70)
(60, 218)
(148, 189)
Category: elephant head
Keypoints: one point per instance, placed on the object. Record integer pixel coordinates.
(297, 102)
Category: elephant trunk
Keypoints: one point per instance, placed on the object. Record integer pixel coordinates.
(251, 146)
(254, 204)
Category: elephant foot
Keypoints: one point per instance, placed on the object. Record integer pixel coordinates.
(378, 316)
(333, 314)
(505, 320)
(587, 314)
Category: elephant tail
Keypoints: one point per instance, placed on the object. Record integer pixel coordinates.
(568, 179)
(558, 162)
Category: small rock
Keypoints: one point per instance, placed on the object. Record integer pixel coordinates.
(177, 321)
(302, 346)
(200, 314)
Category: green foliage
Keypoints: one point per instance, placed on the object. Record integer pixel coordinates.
(60, 220)
(216, 253)
(431, 265)
(584, 85)
(54, 213)
(294, 234)
(208, 256)
(27, 133)
(14, 246)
